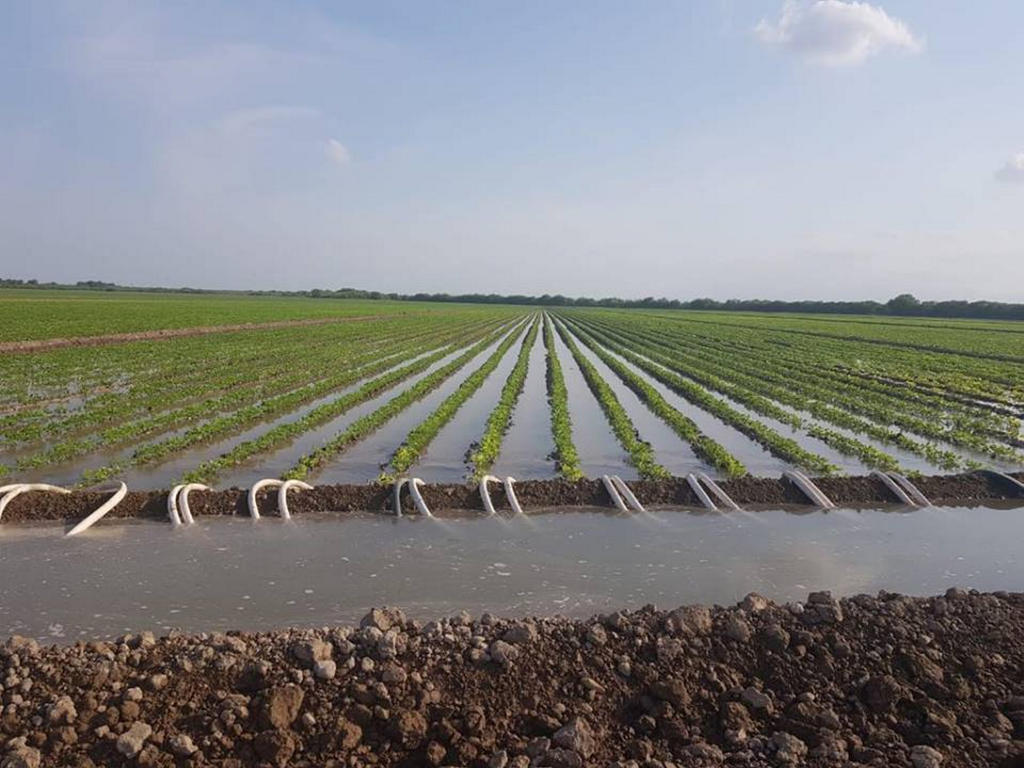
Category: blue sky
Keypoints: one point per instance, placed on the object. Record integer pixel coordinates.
(725, 148)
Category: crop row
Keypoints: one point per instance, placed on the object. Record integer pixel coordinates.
(754, 391)
(760, 397)
(296, 390)
(486, 451)
(705, 447)
(945, 368)
(416, 442)
(284, 433)
(282, 396)
(917, 411)
(198, 372)
(566, 457)
(783, 447)
(867, 454)
(640, 452)
(817, 397)
(373, 421)
(237, 420)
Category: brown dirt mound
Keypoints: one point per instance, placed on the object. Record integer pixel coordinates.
(534, 495)
(881, 681)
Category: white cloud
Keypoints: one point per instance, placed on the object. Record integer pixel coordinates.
(338, 152)
(836, 33)
(1013, 171)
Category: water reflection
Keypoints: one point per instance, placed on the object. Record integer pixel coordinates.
(236, 573)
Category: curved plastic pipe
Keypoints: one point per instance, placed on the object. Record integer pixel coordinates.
(172, 505)
(417, 497)
(105, 507)
(485, 495)
(510, 493)
(398, 495)
(614, 493)
(282, 496)
(627, 494)
(894, 488)
(186, 513)
(810, 490)
(911, 489)
(716, 489)
(15, 490)
(700, 493)
(259, 485)
(1016, 484)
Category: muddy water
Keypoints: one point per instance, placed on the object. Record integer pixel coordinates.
(528, 443)
(445, 458)
(598, 449)
(233, 573)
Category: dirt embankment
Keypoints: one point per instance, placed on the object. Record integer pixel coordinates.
(534, 495)
(166, 333)
(880, 681)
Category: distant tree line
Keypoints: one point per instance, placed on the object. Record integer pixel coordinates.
(903, 305)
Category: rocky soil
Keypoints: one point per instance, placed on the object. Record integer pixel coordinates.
(882, 681)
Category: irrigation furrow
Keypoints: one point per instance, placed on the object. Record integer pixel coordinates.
(489, 445)
(416, 442)
(802, 397)
(566, 458)
(640, 453)
(782, 447)
(706, 448)
(225, 425)
(372, 421)
(284, 433)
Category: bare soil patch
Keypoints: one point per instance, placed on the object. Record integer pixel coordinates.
(166, 333)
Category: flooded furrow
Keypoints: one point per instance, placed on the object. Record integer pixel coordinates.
(444, 461)
(275, 463)
(527, 446)
(598, 449)
(364, 461)
(670, 450)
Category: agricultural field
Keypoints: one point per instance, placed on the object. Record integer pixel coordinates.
(160, 389)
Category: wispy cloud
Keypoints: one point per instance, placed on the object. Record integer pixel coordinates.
(836, 33)
(242, 120)
(1013, 171)
(338, 152)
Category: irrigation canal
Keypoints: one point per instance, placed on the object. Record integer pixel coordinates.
(232, 573)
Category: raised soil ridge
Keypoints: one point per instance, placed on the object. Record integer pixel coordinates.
(883, 680)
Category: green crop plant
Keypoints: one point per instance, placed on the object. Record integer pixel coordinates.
(565, 455)
(500, 418)
(416, 442)
(640, 453)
